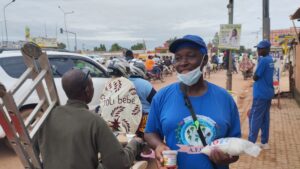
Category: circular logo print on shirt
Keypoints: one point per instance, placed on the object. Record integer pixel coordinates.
(187, 132)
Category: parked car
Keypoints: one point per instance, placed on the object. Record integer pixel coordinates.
(98, 58)
(12, 67)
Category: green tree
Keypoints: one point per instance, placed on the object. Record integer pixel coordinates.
(101, 48)
(138, 46)
(115, 47)
(215, 40)
(61, 45)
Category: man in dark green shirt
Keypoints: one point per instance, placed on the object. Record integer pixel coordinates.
(73, 137)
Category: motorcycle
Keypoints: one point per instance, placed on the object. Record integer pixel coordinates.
(151, 76)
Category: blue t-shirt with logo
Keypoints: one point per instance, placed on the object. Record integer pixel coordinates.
(171, 119)
(143, 89)
(263, 88)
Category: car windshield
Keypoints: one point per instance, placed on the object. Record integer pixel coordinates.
(13, 66)
(60, 64)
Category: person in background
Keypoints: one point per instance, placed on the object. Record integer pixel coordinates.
(149, 63)
(152, 67)
(234, 68)
(167, 61)
(214, 62)
(72, 136)
(246, 66)
(129, 55)
(263, 92)
(170, 124)
(220, 61)
(144, 90)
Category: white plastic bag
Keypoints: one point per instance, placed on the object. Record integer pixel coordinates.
(233, 146)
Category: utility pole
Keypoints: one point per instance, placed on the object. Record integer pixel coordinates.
(75, 46)
(4, 15)
(66, 13)
(266, 20)
(2, 44)
(229, 70)
(45, 27)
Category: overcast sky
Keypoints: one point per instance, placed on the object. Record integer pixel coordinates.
(129, 21)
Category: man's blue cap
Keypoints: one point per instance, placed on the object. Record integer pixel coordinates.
(263, 44)
(196, 41)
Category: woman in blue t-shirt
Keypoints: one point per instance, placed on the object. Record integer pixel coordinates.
(171, 124)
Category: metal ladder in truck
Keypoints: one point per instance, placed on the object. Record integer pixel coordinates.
(21, 132)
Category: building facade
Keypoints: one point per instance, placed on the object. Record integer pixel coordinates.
(278, 35)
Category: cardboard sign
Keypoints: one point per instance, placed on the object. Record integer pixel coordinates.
(120, 105)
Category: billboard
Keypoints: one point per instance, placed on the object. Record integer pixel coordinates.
(230, 36)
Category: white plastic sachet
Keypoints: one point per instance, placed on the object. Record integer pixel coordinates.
(233, 146)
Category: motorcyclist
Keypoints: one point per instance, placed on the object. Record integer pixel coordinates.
(152, 67)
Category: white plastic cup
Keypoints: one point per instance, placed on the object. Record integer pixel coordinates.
(170, 158)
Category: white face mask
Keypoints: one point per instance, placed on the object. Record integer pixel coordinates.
(190, 78)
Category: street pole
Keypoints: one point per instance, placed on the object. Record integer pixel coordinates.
(5, 25)
(229, 70)
(266, 20)
(2, 35)
(75, 46)
(65, 22)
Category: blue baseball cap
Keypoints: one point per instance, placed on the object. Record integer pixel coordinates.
(263, 44)
(193, 40)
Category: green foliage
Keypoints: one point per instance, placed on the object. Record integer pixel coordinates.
(61, 46)
(101, 48)
(138, 46)
(115, 47)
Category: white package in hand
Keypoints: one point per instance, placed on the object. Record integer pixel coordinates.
(233, 146)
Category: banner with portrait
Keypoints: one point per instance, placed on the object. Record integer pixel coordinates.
(230, 36)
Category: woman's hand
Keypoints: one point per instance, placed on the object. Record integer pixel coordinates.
(159, 156)
(220, 158)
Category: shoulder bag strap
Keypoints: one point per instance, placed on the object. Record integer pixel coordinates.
(195, 119)
(193, 114)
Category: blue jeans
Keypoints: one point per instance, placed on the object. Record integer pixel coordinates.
(259, 118)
